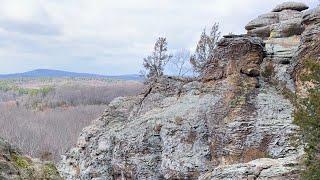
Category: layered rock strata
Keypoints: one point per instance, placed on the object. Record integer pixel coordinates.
(235, 122)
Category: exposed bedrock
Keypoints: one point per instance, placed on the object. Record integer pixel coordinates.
(234, 122)
(191, 129)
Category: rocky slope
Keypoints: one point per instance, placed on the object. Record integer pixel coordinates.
(235, 122)
(13, 165)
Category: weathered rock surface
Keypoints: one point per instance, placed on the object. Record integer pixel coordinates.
(258, 169)
(289, 15)
(235, 122)
(287, 28)
(260, 31)
(263, 20)
(309, 49)
(312, 16)
(13, 165)
(193, 129)
(284, 21)
(234, 55)
(282, 40)
(186, 136)
(290, 5)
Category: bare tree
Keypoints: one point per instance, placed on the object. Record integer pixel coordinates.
(180, 63)
(45, 125)
(205, 48)
(155, 63)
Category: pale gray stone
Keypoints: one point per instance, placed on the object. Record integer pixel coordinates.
(298, 6)
(287, 28)
(263, 20)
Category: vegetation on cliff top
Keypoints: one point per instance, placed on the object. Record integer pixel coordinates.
(307, 116)
(182, 62)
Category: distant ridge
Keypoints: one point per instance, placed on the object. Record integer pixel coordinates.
(57, 73)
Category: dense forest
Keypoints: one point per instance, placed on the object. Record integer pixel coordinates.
(44, 116)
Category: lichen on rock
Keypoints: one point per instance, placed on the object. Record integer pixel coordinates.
(234, 122)
(13, 165)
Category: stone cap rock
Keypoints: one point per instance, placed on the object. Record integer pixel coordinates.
(263, 20)
(298, 6)
(284, 21)
(311, 16)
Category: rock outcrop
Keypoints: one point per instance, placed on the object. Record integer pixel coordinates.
(282, 38)
(283, 21)
(235, 122)
(291, 6)
(309, 49)
(13, 165)
(235, 54)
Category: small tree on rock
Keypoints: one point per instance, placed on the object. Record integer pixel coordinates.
(155, 63)
(180, 63)
(205, 48)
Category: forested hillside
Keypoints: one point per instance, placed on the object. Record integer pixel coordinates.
(44, 116)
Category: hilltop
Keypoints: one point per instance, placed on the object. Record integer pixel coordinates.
(41, 73)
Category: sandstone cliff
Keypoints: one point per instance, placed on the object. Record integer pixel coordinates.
(235, 122)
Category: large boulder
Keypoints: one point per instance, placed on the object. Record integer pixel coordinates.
(312, 16)
(263, 20)
(285, 22)
(287, 28)
(290, 5)
(263, 32)
(289, 14)
(235, 55)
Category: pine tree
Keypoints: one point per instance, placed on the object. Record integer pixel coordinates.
(205, 48)
(156, 62)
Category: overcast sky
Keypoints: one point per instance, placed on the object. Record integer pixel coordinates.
(110, 36)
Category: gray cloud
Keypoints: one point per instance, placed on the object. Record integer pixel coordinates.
(30, 28)
(110, 37)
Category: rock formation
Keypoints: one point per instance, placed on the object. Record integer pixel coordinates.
(283, 21)
(13, 165)
(235, 122)
(297, 6)
(309, 48)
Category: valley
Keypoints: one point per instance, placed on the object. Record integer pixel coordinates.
(43, 116)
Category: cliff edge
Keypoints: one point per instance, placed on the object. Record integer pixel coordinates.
(235, 122)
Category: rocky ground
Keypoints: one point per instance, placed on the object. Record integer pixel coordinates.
(13, 165)
(235, 122)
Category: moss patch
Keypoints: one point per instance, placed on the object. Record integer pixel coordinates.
(20, 161)
(49, 170)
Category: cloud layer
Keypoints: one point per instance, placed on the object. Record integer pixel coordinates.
(110, 37)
